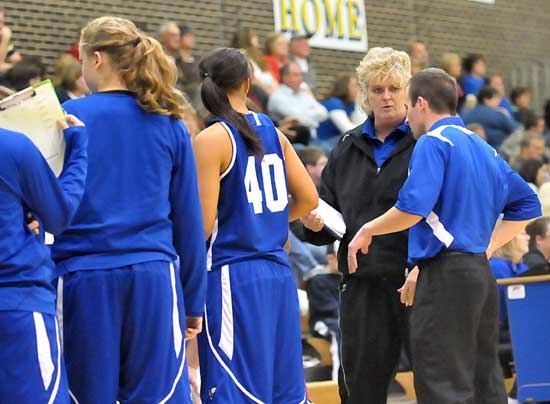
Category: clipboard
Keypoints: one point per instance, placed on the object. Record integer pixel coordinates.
(34, 112)
(334, 221)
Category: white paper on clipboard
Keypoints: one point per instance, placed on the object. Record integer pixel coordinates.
(333, 219)
(34, 112)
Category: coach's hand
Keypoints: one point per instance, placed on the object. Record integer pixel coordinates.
(313, 221)
(193, 327)
(361, 241)
(408, 289)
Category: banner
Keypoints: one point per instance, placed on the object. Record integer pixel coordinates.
(332, 24)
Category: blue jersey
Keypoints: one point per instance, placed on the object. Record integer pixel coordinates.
(252, 219)
(460, 186)
(141, 201)
(27, 183)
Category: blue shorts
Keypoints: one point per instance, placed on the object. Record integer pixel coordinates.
(31, 365)
(250, 349)
(123, 335)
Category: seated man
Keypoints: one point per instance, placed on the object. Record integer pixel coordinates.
(531, 147)
(539, 243)
(290, 101)
(497, 126)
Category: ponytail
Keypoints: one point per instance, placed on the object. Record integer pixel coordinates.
(223, 70)
(140, 62)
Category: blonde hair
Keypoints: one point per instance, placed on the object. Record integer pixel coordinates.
(448, 59)
(139, 61)
(270, 42)
(61, 66)
(381, 64)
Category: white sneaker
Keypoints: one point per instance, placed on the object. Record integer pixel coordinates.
(513, 401)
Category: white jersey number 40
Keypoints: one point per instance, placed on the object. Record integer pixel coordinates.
(252, 186)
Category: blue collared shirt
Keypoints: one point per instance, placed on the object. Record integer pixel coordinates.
(382, 150)
(460, 186)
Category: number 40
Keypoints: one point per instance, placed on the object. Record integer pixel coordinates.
(252, 186)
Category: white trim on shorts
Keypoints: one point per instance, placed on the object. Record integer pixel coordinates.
(226, 343)
(176, 328)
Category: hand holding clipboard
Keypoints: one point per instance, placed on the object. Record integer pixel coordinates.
(35, 112)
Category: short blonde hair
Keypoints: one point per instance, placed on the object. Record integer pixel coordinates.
(380, 64)
(448, 59)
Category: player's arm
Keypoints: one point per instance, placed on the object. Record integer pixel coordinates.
(522, 205)
(55, 200)
(301, 187)
(188, 233)
(213, 151)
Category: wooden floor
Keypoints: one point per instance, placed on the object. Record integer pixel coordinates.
(327, 392)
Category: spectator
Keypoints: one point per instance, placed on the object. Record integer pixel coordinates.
(36, 61)
(9, 56)
(452, 64)
(247, 41)
(22, 75)
(189, 80)
(71, 84)
(521, 103)
(169, 37)
(299, 52)
(276, 53)
(324, 305)
(478, 130)
(290, 101)
(362, 180)
(307, 259)
(506, 263)
(534, 172)
(496, 125)
(342, 113)
(64, 60)
(315, 160)
(474, 68)
(535, 124)
(531, 147)
(539, 242)
(496, 81)
(420, 57)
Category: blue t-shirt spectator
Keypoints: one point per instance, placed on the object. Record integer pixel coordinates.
(332, 127)
(503, 268)
(472, 84)
(496, 125)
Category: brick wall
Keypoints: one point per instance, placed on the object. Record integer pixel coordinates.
(514, 35)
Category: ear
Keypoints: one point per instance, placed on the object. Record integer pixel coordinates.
(422, 103)
(99, 59)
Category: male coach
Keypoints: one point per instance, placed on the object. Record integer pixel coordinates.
(457, 188)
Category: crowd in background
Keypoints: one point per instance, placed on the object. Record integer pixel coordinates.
(285, 86)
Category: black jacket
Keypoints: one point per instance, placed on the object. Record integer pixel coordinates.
(353, 185)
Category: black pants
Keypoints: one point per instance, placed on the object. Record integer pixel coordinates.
(454, 332)
(373, 323)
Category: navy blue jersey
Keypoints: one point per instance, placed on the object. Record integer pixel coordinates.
(28, 183)
(252, 220)
(141, 201)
